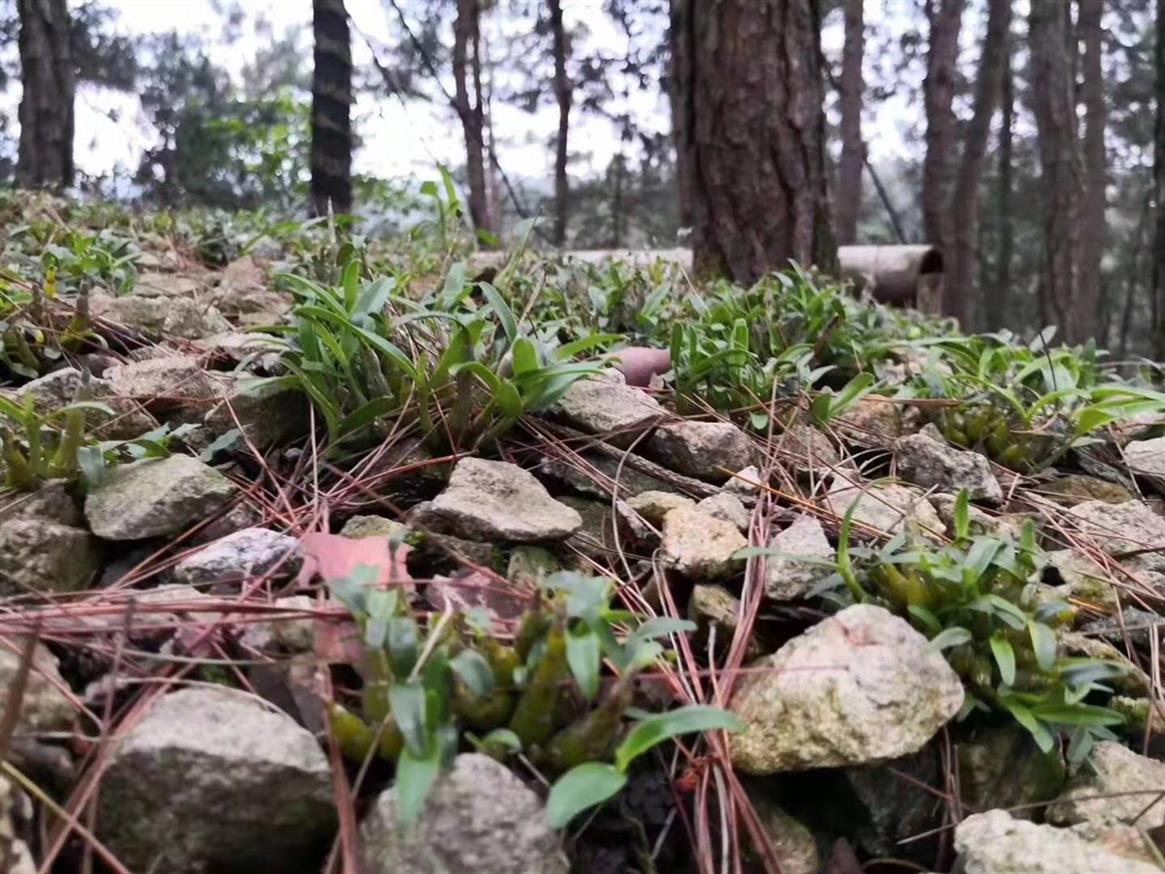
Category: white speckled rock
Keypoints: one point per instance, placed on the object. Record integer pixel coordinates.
(887, 507)
(699, 546)
(41, 556)
(609, 407)
(861, 686)
(708, 450)
(1146, 456)
(807, 559)
(927, 460)
(1115, 785)
(246, 553)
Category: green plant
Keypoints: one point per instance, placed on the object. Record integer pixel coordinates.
(426, 684)
(975, 600)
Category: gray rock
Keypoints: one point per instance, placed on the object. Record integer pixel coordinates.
(608, 407)
(996, 843)
(167, 285)
(808, 558)
(52, 502)
(41, 556)
(791, 840)
(153, 497)
(495, 500)
(596, 474)
(1121, 528)
(287, 634)
(210, 780)
(156, 317)
(716, 612)
(807, 448)
(267, 412)
(44, 707)
(708, 450)
(596, 537)
(59, 388)
(727, 507)
(1083, 579)
(895, 803)
(251, 552)
(861, 686)
(886, 507)
(699, 546)
(746, 484)
(359, 527)
(1004, 767)
(927, 460)
(872, 421)
(1005, 525)
(15, 811)
(160, 383)
(1113, 786)
(480, 818)
(654, 506)
(1074, 488)
(1146, 457)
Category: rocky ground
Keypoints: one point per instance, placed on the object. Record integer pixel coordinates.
(938, 659)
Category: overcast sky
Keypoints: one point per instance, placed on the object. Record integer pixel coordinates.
(399, 140)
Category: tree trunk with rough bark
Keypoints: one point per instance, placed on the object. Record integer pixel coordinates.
(1092, 230)
(752, 135)
(1159, 185)
(331, 109)
(849, 172)
(995, 299)
(562, 94)
(471, 111)
(45, 156)
(964, 206)
(945, 18)
(1061, 171)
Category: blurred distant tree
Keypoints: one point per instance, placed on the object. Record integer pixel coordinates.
(46, 104)
(853, 150)
(331, 122)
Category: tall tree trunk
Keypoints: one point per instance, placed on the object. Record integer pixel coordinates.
(331, 109)
(466, 36)
(678, 60)
(752, 133)
(562, 93)
(45, 156)
(995, 301)
(1062, 171)
(1159, 185)
(964, 207)
(849, 174)
(945, 18)
(1092, 231)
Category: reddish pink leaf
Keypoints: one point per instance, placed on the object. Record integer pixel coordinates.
(333, 558)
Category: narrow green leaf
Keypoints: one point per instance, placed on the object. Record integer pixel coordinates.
(1043, 737)
(474, 671)
(1043, 644)
(407, 701)
(415, 776)
(580, 788)
(583, 656)
(950, 637)
(1005, 658)
(664, 726)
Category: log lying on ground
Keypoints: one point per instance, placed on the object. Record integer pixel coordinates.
(907, 276)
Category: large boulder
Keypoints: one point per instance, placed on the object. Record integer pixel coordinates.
(927, 460)
(708, 450)
(212, 780)
(699, 546)
(479, 818)
(610, 408)
(44, 707)
(154, 497)
(861, 686)
(805, 558)
(495, 500)
(250, 552)
(997, 843)
(42, 556)
(1114, 786)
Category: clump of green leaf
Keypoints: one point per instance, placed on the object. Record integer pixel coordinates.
(430, 685)
(974, 599)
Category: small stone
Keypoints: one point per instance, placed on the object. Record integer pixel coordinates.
(155, 497)
(872, 421)
(162, 383)
(156, 317)
(41, 556)
(745, 484)
(1006, 525)
(727, 507)
(59, 388)
(995, 842)
(479, 818)
(44, 707)
(268, 413)
(716, 612)
(1114, 786)
(495, 500)
(889, 508)
(285, 634)
(1073, 488)
(791, 840)
(654, 506)
(597, 536)
(1003, 766)
(251, 552)
(617, 412)
(707, 450)
(807, 559)
(1121, 528)
(211, 780)
(1082, 579)
(927, 460)
(699, 546)
(1146, 457)
(597, 475)
(167, 285)
(861, 686)
(52, 502)
(15, 811)
(359, 527)
(807, 448)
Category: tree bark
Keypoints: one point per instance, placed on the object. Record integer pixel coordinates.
(964, 207)
(331, 109)
(752, 135)
(471, 112)
(1092, 231)
(1159, 186)
(1061, 171)
(849, 174)
(995, 301)
(45, 152)
(945, 18)
(563, 94)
